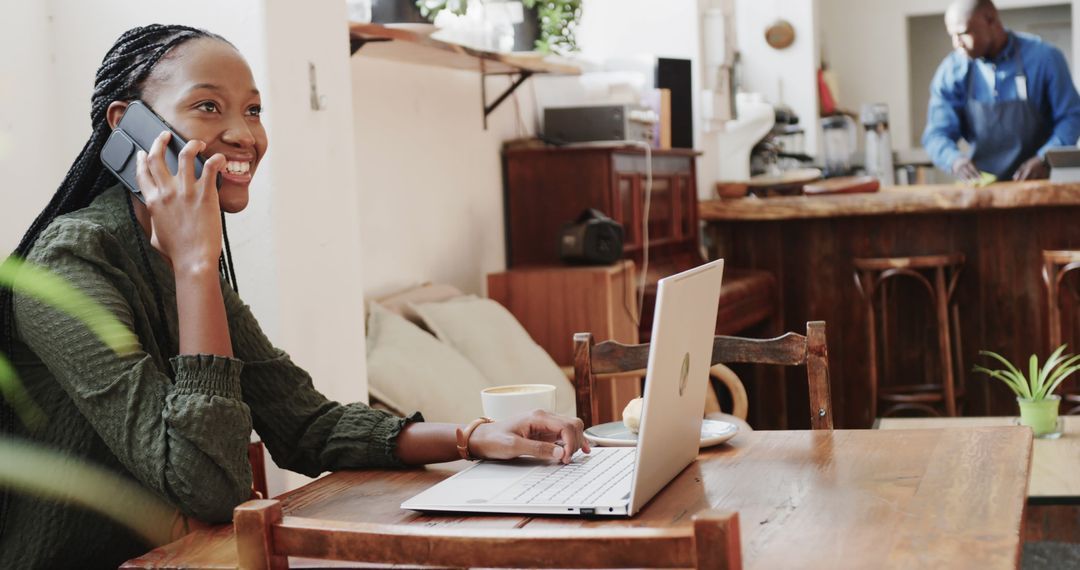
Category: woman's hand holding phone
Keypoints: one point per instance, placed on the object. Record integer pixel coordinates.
(184, 211)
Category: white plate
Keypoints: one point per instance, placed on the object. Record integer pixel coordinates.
(616, 434)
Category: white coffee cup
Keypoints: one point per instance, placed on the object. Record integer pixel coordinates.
(504, 402)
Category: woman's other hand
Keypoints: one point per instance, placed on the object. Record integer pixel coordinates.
(539, 434)
(184, 211)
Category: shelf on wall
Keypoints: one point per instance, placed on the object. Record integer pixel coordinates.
(412, 43)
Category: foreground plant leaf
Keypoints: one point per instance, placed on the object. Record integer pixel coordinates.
(51, 475)
(27, 279)
(13, 392)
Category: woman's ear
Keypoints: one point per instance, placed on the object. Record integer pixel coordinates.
(114, 112)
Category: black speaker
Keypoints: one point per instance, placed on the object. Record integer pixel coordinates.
(674, 74)
(591, 239)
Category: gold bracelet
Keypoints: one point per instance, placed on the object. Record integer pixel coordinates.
(464, 435)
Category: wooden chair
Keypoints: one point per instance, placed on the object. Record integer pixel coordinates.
(258, 469)
(938, 274)
(1057, 264)
(265, 539)
(592, 361)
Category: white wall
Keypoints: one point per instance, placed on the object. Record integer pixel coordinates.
(297, 244)
(789, 75)
(865, 42)
(27, 123)
(429, 176)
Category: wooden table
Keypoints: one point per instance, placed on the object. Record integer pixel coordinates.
(1055, 463)
(809, 243)
(1054, 487)
(806, 499)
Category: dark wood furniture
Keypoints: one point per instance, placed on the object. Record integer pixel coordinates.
(257, 458)
(1057, 264)
(810, 242)
(554, 302)
(265, 539)
(938, 275)
(595, 360)
(547, 187)
(812, 499)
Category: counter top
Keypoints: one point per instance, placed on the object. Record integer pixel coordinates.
(895, 200)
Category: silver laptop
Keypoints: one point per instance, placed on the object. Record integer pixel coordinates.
(614, 481)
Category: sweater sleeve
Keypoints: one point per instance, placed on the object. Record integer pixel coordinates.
(186, 440)
(303, 430)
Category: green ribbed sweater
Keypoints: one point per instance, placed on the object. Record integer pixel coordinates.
(177, 425)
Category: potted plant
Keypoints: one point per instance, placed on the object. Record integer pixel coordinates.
(1035, 391)
(556, 21)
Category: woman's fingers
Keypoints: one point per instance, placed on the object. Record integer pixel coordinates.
(155, 160)
(186, 161)
(543, 425)
(147, 186)
(211, 169)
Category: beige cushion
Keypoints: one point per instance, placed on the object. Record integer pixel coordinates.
(496, 343)
(409, 370)
(401, 301)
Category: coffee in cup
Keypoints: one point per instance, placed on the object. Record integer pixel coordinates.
(504, 402)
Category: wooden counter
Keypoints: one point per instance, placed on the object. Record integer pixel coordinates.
(896, 200)
(809, 244)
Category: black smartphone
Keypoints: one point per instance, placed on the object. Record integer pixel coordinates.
(136, 131)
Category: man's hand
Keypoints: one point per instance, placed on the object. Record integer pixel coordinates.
(1034, 168)
(963, 169)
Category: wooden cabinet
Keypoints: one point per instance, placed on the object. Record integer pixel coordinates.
(548, 187)
(553, 303)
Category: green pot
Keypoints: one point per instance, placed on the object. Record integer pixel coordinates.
(1040, 416)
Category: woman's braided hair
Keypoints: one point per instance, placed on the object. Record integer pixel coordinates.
(121, 77)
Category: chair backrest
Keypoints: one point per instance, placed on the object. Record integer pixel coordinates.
(592, 361)
(258, 469)
(265, 539)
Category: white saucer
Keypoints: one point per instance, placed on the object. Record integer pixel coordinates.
(616, 434)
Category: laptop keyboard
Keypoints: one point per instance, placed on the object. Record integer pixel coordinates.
(581, 482)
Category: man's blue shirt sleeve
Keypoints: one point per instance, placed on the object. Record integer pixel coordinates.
(947, 98)
(1063, 100)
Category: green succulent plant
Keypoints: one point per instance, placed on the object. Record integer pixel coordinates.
(1040, 382)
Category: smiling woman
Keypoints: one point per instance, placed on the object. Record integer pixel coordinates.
(177, 412)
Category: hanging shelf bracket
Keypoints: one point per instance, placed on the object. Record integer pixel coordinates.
(522, 76)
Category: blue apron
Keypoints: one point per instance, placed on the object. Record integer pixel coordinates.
(1004, 133)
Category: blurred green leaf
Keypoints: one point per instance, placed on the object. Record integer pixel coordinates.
(13, 392)
(28, 279)
(52, 475)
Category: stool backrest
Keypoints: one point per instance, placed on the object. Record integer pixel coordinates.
(609, 358)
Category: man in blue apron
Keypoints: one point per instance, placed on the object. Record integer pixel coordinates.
(1009, 95)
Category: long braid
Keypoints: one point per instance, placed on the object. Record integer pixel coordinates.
(121, 77)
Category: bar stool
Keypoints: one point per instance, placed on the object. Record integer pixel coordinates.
(1057, 264)
(938, 274)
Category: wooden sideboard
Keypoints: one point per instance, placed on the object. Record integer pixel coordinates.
(554, 302)
(547, 188)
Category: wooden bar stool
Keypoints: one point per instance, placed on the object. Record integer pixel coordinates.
(1057, 264)
(938, 274)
